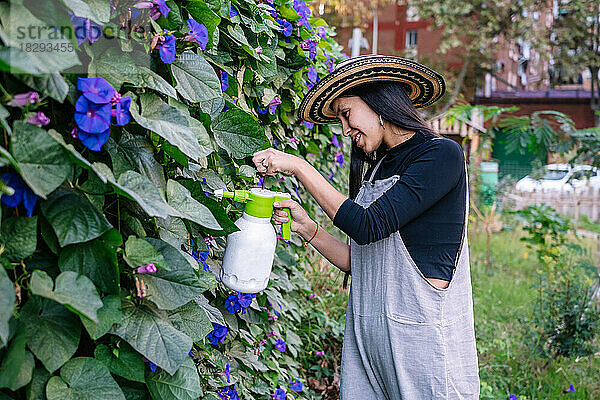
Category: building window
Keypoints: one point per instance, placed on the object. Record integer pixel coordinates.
(411, 39)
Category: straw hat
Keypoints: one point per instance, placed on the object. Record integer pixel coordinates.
(423, 85)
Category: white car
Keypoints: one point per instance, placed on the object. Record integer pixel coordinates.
(561, 177)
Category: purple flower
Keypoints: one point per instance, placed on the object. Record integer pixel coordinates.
(279, 394)
(96, 90)
(92, 117)
(304, 12)
(93, 141)
(258, 49)
(233, 12)
(147, 269)
(228, 393)
(293, 139)
(280, 345)
(312, 296)
(39, 119)
(224, 76)
(166, 48)
(273, 104)
(157, 7)
(260, 182)
(198, 33)
(22, 193)
(330, 177)
(162, 6)
(335, 142)
(339, 158)
(311, 46)
(22, 99)
(85, 29)
(232, 305)
(571, 388)
(121, 110)
(321, 32)
(320, 353)
(271, 334)
(512, 397)
(217, 335)
(309, 125)
(152, 366)
(312, 74)
(296, 385)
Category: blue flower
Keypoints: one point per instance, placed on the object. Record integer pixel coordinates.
(121, 111)
(311, 46)
(233, 12)
(281, 345)
(232, 305)
(190, 353)
(296, 385)
(92, 117)
(96, 90)
(312, 74)
(512, 397)
(309, 125)
(279, 394)
(162, 6)
(339, 158)
(93, 141)
(286, 26)
(22, 193)
(228, 393)
(152, 366)
(227, 374)
(335, 142)
(198, 33)
(217, 335)
(304, 12)
(85, 29)
(262, 110)
(321, 32)
(224, 80)
(166, 48)
(244, 300)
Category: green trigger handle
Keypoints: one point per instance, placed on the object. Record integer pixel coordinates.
(286, 227)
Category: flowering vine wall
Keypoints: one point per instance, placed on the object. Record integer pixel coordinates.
(120, 118)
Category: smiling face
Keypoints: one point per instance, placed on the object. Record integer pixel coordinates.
(359, 122)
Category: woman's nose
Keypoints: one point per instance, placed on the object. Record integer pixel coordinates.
(346, 130)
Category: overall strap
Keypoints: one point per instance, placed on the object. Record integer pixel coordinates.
(376, 168)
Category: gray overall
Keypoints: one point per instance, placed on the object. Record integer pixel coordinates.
(404, 338)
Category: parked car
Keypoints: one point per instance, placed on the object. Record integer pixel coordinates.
(562, 177)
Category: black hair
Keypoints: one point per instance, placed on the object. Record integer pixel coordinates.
(390, 100)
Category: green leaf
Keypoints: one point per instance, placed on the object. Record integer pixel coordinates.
(83, 378)
(237, 33)
(182, 385)
(25, 372)
(149, 332)
(13, 18)
(53, 85)
(213, 313)
(143, 191)
(75, 291)
(44, 163)
(192, 320)
(239, 133)
(196, 79)
(174, 288)
(94, 259)
(18, 235)
(96, 10)
(139, 151)
(7, 305)
(117, 68)
(73, 218)
(180, 199)
(52, 332)
(37, 387)
(12, 361)
(168, 122)
(139, 252)
(122, 361)
(109, 314)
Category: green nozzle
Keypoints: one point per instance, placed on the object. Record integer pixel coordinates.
(259, 203)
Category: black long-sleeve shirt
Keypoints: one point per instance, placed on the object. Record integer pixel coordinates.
(426, 205)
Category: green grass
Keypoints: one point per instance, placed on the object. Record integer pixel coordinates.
(501, 296)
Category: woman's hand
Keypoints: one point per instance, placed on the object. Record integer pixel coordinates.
(271, 162)
(301, 222)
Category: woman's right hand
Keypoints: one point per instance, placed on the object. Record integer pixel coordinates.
(301, 222)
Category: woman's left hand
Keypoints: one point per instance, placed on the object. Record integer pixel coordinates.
(271, 162)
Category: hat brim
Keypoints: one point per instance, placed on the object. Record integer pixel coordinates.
(423, 85)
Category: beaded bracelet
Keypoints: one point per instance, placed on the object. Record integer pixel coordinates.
(306, 242)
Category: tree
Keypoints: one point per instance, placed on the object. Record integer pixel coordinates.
(575, 36)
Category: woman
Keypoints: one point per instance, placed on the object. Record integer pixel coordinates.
(409, 325)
